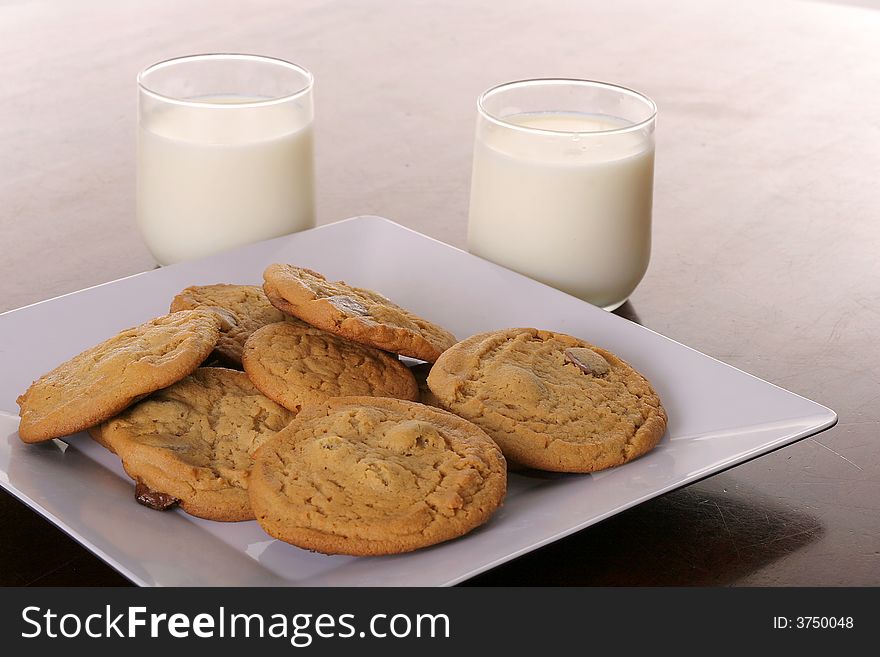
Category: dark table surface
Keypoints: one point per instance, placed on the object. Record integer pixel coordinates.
(767, 222)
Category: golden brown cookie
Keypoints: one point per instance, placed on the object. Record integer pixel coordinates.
(370, 476)
(98, 383)
(549, 400)
(194, 442)
(354, 313)
(248, 306)
(296, 364)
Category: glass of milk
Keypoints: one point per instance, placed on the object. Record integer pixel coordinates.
(225, 153)
(562, 185)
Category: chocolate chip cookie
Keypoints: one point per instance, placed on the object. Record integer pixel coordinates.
(370, 476)
(100, 382)
(550, 401)
(296, 364)
(193, 443)
(354, 313)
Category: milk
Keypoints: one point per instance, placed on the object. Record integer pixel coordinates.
(571, 209)
(211, 178)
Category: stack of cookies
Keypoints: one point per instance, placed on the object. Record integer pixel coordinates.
(290, 404)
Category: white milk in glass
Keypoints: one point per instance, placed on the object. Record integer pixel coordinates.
(212, 178)
(571, 210)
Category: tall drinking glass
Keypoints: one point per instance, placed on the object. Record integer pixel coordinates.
(225, 153)
(562, 185)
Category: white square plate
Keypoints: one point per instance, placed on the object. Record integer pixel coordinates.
(719, 416)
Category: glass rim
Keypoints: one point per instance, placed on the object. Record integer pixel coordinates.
(173, 61)
(580, 82)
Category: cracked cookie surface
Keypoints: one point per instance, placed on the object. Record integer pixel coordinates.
(296, 364)
(195, 440)
(100, 382)
(550, 401)
(354, 313)
(248, 306)
(368, 476)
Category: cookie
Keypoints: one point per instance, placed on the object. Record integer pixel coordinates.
(370, 476)
(296, 364)
(549, 400)
(100, 382)
(248, 306)
(194, 442)
(354, 313)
